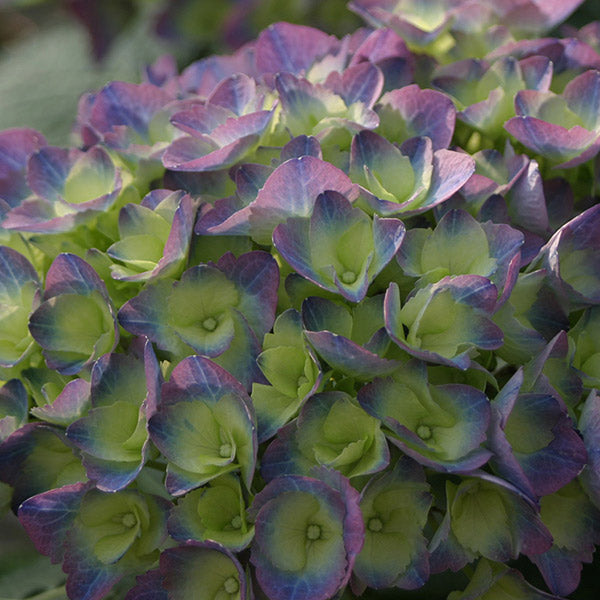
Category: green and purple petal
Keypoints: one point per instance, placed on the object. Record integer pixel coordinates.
(203, 571)
(19, 296)
(573, 522)
(361, 82)
(489, 517)
(441, 427)
(534, 442)
(290, 48)
(572, 257)
(113, 535)
(470, 297)
(16, 146)
(413, 112)
(70, 404)
(329, 328)
(223, 147)
(256, 276)
(331, 432)
(215, 512)
(290, 190)
(155, 236)
(204, 426)
(419, 23)
(144, 315)
(395, 506)
(36, 458)
(460, 245)
(307, 537)
(126, 105)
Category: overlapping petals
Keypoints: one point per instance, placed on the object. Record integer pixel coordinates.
(308, 534)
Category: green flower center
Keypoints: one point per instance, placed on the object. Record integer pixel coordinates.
(424, 432)
(313, 532)
(225, 450)
(231, 585)
(375, 524)
(236, 522)
(128, 520)
(348, 276)
(209, 324)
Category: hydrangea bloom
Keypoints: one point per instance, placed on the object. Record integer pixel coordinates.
(314, 320)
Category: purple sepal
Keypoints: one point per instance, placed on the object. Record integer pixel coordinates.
(148, 587)
(72, 402)
(223, 147)
(47, 170)
(445, 552)
(47, 517)
(249, 179)
(111, 475)
(328, 328)
(424, 112)
(572, 258)
(569, 147)
(69, 274)
(289, 48)
(561, 570)
(282, 456)
(361, 82)
(202, 76)
(87, 578)
(154, 379)
(535, 17)
(199, 376)
(589, 424)
(16, 146)
(120, 104)
(564, 456)
(290, 190)
(348, 356)
(301, 145)
(236, 94)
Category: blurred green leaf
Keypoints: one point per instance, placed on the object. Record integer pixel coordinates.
(43, 75)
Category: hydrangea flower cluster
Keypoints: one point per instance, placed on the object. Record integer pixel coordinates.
(317, 317)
